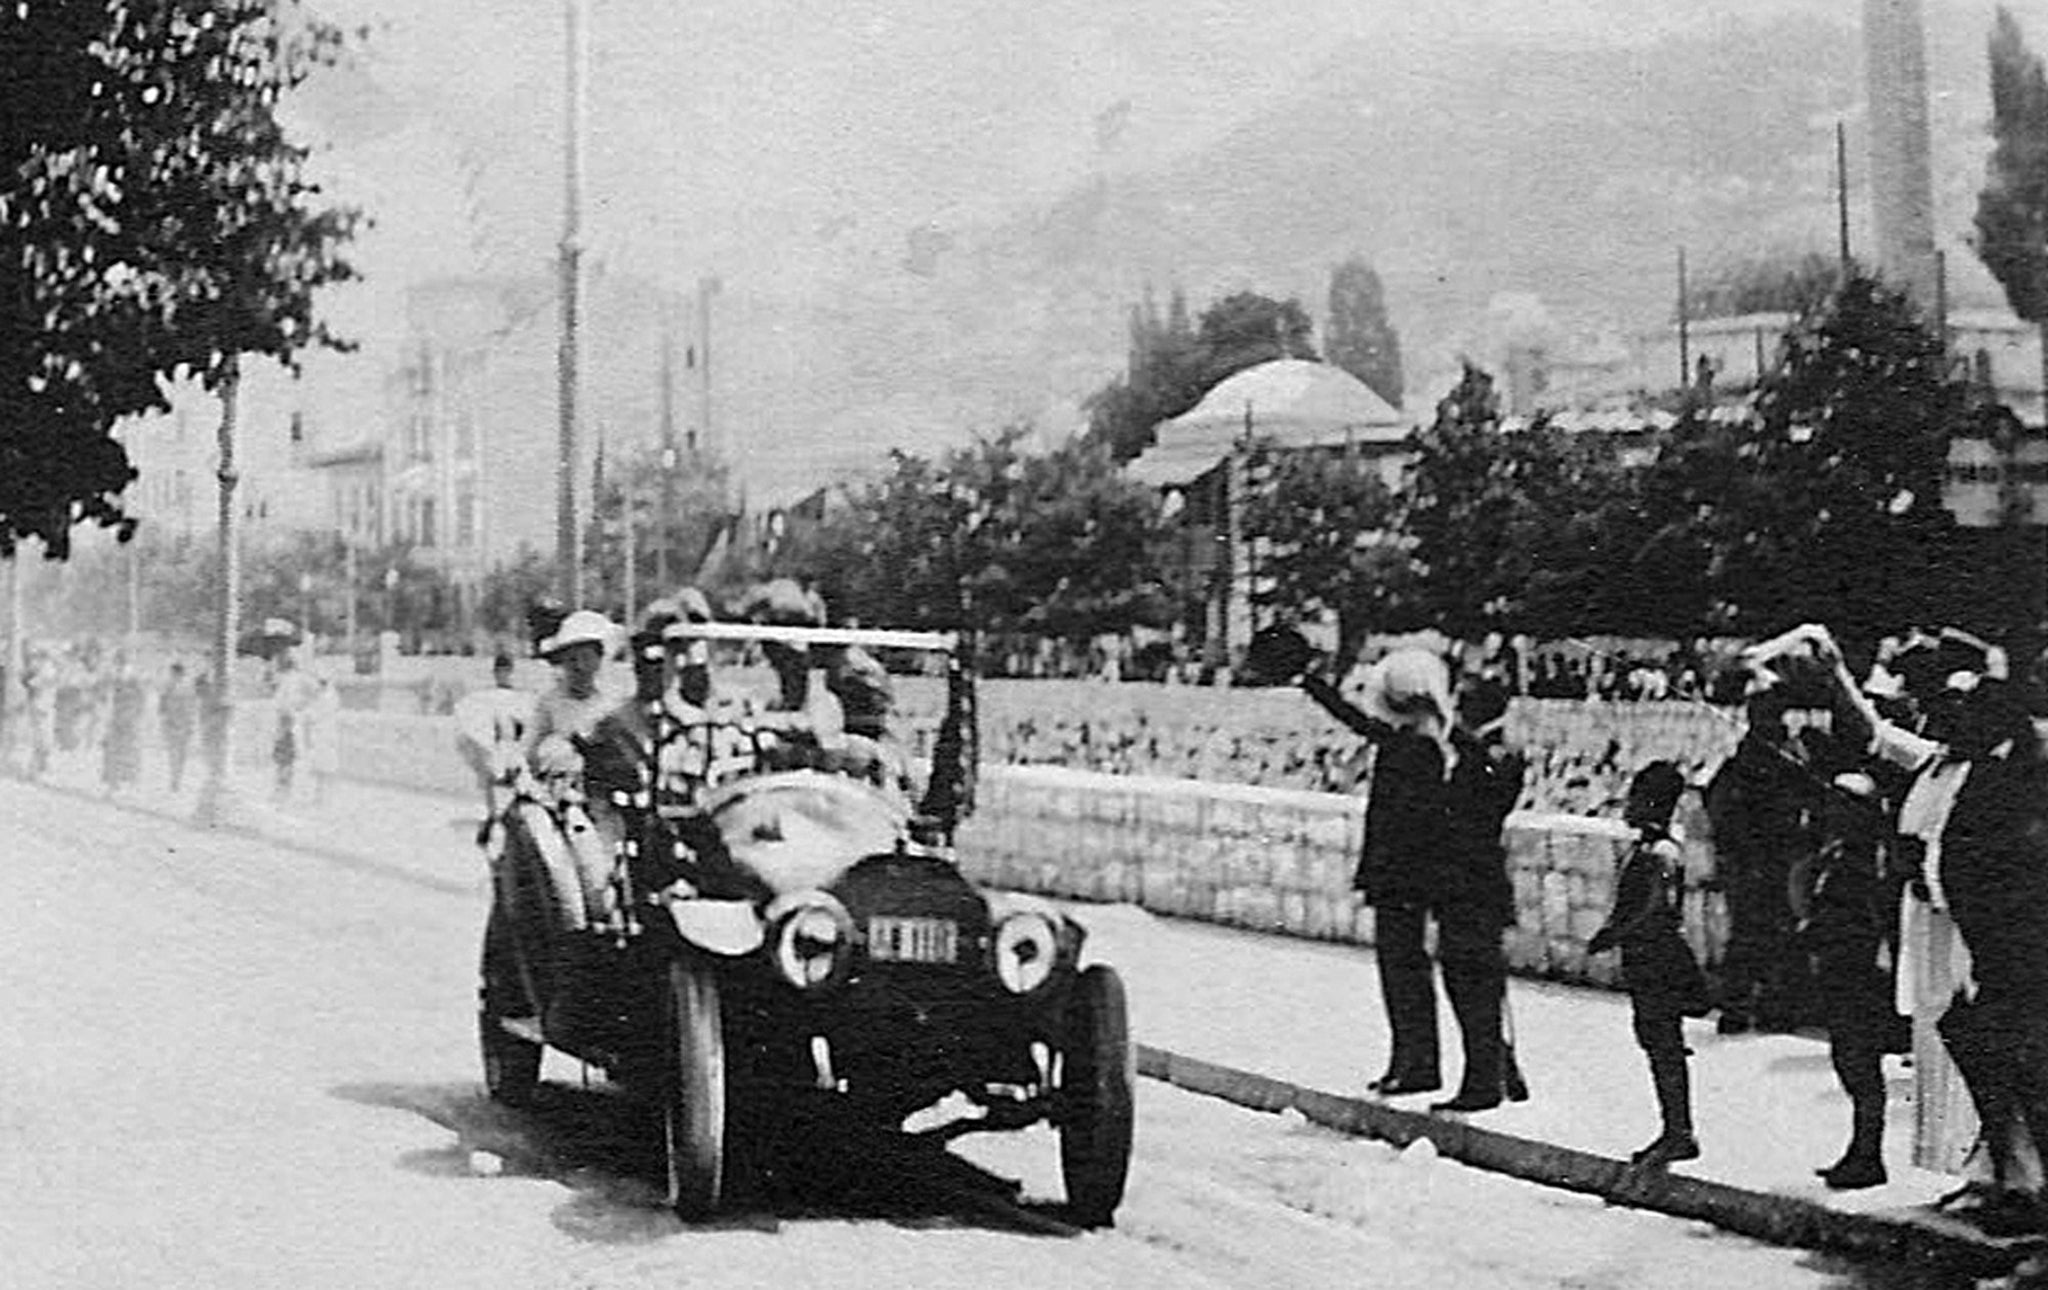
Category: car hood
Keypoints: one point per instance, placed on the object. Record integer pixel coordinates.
(802, 830)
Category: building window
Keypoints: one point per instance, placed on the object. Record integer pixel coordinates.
(427, 522)
(465, 435)
(465, 518)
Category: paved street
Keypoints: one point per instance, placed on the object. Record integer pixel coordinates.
(237, 1063)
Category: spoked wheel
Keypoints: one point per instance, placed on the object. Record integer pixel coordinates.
(1096, 1100)
(693, 1095)
(511, 1062)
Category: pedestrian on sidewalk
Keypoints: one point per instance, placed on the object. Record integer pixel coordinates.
(1663, 980)
(291, 695)
(491, 727)
(177, 710)
(320, 726)
(1760, 804)
(121, 740)
(1848, 923)
(1432, 850)
(1975, 818)
(1483, 713)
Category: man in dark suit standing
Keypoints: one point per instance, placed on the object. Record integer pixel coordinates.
(1432, 848)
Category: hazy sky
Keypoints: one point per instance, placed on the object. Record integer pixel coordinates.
(780, 143)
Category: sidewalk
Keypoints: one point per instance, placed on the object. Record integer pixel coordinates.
(1276, 1021)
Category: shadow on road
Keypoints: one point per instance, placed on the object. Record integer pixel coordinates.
(603, 1147)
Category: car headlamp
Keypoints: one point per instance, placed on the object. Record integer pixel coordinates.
(813, 941)
(1024, 950)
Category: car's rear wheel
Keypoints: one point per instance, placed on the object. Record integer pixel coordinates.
(1096, 1097)
(511, 1063)
(693, 1097)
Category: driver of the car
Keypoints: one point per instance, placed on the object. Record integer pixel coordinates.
(802, 723)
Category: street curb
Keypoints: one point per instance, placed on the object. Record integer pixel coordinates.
(1916, 1235)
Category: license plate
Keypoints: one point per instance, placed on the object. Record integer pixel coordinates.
(913, 940)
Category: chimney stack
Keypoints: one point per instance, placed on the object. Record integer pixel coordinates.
(1901, 173)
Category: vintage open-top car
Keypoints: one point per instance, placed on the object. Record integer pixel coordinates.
(799, 933)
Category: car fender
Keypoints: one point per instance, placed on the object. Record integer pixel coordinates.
(727, 927)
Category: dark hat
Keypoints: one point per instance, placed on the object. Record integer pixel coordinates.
(1278, 654)
(783, 603)
(1658, 786)
(865, 693)
(543, 617)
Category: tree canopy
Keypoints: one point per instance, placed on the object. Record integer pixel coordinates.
(1173, 362)
(1359, 337)
(160, 223)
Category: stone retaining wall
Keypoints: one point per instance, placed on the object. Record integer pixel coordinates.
(1275, 860)
(1281, 861)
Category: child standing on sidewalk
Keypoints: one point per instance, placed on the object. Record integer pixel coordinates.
(1657, 967)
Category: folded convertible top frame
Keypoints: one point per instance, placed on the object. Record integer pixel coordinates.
(869, 637)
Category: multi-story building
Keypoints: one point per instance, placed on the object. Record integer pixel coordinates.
(460, 466)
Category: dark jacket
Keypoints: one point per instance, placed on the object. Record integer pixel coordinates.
(1435, 841)
(1657, 965)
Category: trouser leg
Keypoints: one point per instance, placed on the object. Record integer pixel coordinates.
(1658, 1033)
(1408, 992)
(1475, 978)
(1857, 1011)
(1974, 1044)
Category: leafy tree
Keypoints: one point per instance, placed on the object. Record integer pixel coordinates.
(1827, 504)
(160, 223)
(1246, 329)
(1786, 282)
(1053, 543)
(1516, 531)
(1359, 337)
(1164, 376)
(1172, 363)
(700, 503)
(1328, 529)
(509, 590)
(2012, 208)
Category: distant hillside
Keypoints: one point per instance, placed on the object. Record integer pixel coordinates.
(1464, 171)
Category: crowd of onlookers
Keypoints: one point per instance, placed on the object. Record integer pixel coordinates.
(1581, 755)
(78, 705)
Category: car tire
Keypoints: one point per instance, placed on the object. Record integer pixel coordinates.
(693, 1100)
(1096, 1097)
(511, 1063)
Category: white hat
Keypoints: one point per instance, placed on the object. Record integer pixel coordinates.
(583, 625)
(1404, 675)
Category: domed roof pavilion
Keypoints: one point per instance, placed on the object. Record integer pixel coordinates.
(1291, 402)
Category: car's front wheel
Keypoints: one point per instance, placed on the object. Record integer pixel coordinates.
(1096, 1097)
(693, 1097)
(511, 1062)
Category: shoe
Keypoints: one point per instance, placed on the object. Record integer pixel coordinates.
(1734, 1023)
(1853, 1173)
(1513, 1084)
(1467, 1102)
(1667, 1149)
(1391, 1085)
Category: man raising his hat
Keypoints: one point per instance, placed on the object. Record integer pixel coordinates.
(1432, 849)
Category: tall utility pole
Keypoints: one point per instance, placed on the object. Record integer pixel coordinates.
(216, 794)
(568, 531)
(668, 450)
(1684, 328)
(707, 287)
(1842, 195)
